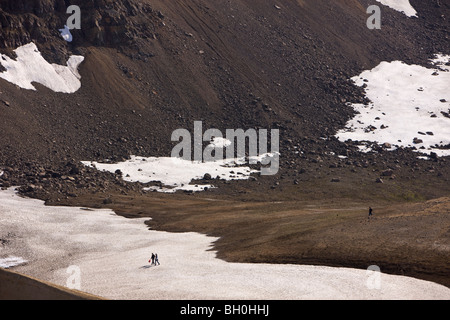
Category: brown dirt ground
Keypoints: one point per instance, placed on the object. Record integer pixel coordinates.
(16, 286)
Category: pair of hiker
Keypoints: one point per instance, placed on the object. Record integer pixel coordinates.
(154, 260)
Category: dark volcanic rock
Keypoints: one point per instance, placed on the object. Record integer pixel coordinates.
(104, 23)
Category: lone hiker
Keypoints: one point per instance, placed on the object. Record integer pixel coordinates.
(370, 212)
(153, 259)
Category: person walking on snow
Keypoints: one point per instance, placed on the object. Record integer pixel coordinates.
(156, 259)
(153, 259)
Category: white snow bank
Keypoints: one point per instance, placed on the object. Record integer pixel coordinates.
(31, 67)
(112, 253)
(400, 5)
(176, 173)
(410, 107)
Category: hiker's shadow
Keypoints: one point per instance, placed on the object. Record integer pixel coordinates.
(145, 267)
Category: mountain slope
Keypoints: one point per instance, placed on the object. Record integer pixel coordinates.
(154, 66)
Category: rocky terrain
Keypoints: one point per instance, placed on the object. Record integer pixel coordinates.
(155, 66)
(151, 67)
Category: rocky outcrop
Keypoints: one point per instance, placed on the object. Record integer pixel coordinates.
(103, 23)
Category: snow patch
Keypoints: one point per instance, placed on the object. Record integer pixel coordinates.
(31, 67)
(176, 173)
(219, 142)
(11, 261)
(400, 5)
(410, 107)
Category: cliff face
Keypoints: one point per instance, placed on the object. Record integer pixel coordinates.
(105, 23)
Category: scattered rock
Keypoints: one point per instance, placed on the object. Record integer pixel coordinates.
(206, 176)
